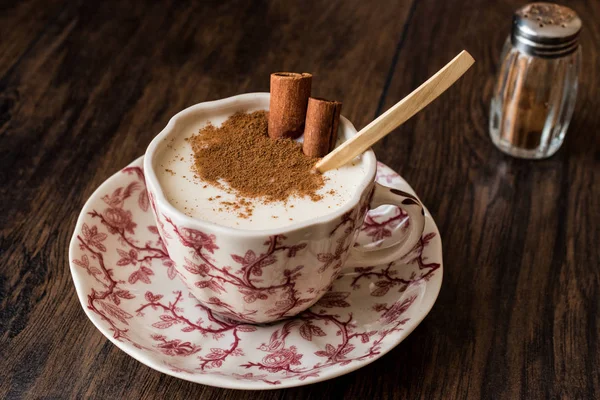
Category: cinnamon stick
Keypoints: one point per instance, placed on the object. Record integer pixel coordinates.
(289, 98)
(322, 121)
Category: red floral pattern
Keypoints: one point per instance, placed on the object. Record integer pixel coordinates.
(245, 279)
(127, 279)
(242, 286)
(379, 227)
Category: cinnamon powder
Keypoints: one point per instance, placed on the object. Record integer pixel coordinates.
(241, 154)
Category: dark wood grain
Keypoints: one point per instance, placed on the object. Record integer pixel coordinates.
(517, 315)
(84, 87)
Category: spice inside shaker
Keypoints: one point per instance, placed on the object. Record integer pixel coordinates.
(536, 88)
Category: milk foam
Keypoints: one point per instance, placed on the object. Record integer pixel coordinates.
(203, 201)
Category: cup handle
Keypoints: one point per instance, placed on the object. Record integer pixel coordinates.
(360, 257)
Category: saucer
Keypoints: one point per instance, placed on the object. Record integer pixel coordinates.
(129, 289)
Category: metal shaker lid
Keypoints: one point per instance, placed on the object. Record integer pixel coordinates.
(546, 30)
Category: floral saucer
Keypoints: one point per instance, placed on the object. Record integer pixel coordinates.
(130, 290)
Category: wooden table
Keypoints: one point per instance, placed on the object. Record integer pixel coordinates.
(84, 86)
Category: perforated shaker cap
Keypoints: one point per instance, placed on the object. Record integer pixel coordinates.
(546, 30)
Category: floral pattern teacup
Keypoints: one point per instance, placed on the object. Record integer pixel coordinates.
(265, 275)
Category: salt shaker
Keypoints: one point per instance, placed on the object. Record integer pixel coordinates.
(536, 87)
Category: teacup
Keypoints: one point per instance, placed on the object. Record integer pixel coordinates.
(261, 276)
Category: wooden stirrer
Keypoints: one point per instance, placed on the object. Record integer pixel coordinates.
(398, 114)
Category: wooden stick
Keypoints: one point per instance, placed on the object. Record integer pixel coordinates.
(398, 114)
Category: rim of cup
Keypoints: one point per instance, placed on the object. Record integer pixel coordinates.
(239, 103)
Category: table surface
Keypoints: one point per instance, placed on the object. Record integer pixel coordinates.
(84, 87)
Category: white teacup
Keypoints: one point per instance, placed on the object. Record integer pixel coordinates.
(296, 263)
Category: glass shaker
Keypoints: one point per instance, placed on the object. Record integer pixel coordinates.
(536, 87)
